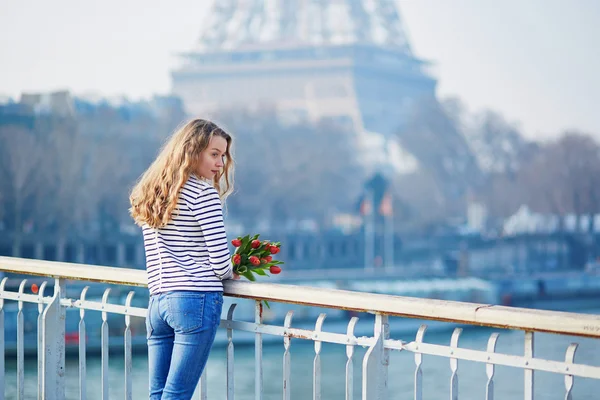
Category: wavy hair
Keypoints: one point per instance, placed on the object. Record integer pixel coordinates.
(154, 197)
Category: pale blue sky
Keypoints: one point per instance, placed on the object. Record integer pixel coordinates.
(535, 61)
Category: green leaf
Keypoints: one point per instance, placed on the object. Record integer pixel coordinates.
(240, 269)
(267, 304)
(260, 271)
(245, 244)
(249, 276)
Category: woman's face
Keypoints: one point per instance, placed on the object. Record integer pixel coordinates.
(212, 158)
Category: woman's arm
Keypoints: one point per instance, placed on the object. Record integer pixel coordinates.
(208, 211)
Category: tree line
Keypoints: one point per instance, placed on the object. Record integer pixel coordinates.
(70, 176)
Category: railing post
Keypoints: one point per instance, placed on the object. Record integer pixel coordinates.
(418, 389)
(350, 362)
(20, 345)
(258, 353)
(128, 355)
(53, 338)
(104, 350)
(529, 376)
(2, 285)
(287, 361)
(230, 355)
(82, 345)
(375, 363)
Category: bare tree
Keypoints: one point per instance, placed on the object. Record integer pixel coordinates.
(419, 201)
(435, 138)
(498, 145)
(106, 187)
(21, 153)
(500, 150)
(59, 207)
(564, 177)
(117, 148)
(290, 170)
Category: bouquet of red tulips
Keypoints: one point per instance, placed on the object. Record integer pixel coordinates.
(253, 256)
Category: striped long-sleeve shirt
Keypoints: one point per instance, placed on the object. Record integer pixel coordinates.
(190, 252)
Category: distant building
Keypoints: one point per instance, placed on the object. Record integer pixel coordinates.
(5, 99)
(348, 61)
(57, 103)
(16, 114)
(477, 215)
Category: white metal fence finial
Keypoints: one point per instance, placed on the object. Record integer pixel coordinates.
(418, 388)
(490, 367)
(258, 364)
(41, 296)
(350, 338)
(375, 362)
(40, 338)
(287, 324)
(230, 354)
(529, 354)
(82, 300)
(22, 287)
(2, 286)
(82, 346)
(21, 344)
(104, 349)
(127, 340)
(569, 379)
(454, 364)
(317, 359)
(53, 344)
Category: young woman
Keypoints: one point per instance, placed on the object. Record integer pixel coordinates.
(177, 202)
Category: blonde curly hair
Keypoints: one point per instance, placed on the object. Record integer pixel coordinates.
(154, 197)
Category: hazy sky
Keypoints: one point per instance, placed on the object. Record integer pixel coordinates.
(535, 61)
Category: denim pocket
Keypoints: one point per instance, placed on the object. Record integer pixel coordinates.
(218, 307)
(149, 328)
(186, 310)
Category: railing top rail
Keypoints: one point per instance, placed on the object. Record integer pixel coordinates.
(441, 310)
(82, 272)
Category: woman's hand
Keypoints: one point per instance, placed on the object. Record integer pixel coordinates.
(236, 276)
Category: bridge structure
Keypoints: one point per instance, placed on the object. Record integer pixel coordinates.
(52, 302)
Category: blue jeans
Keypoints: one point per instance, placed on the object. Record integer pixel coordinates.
(181, 328)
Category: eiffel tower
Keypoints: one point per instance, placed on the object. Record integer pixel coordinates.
(346, 60)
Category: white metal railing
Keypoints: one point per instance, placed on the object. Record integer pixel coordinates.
(51, 332)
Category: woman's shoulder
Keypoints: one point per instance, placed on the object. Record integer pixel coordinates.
(198, 187)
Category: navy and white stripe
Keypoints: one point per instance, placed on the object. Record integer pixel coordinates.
(190, 252)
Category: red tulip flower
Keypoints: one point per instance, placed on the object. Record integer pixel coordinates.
(252, 257)
(254, 260)
(275, 269)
